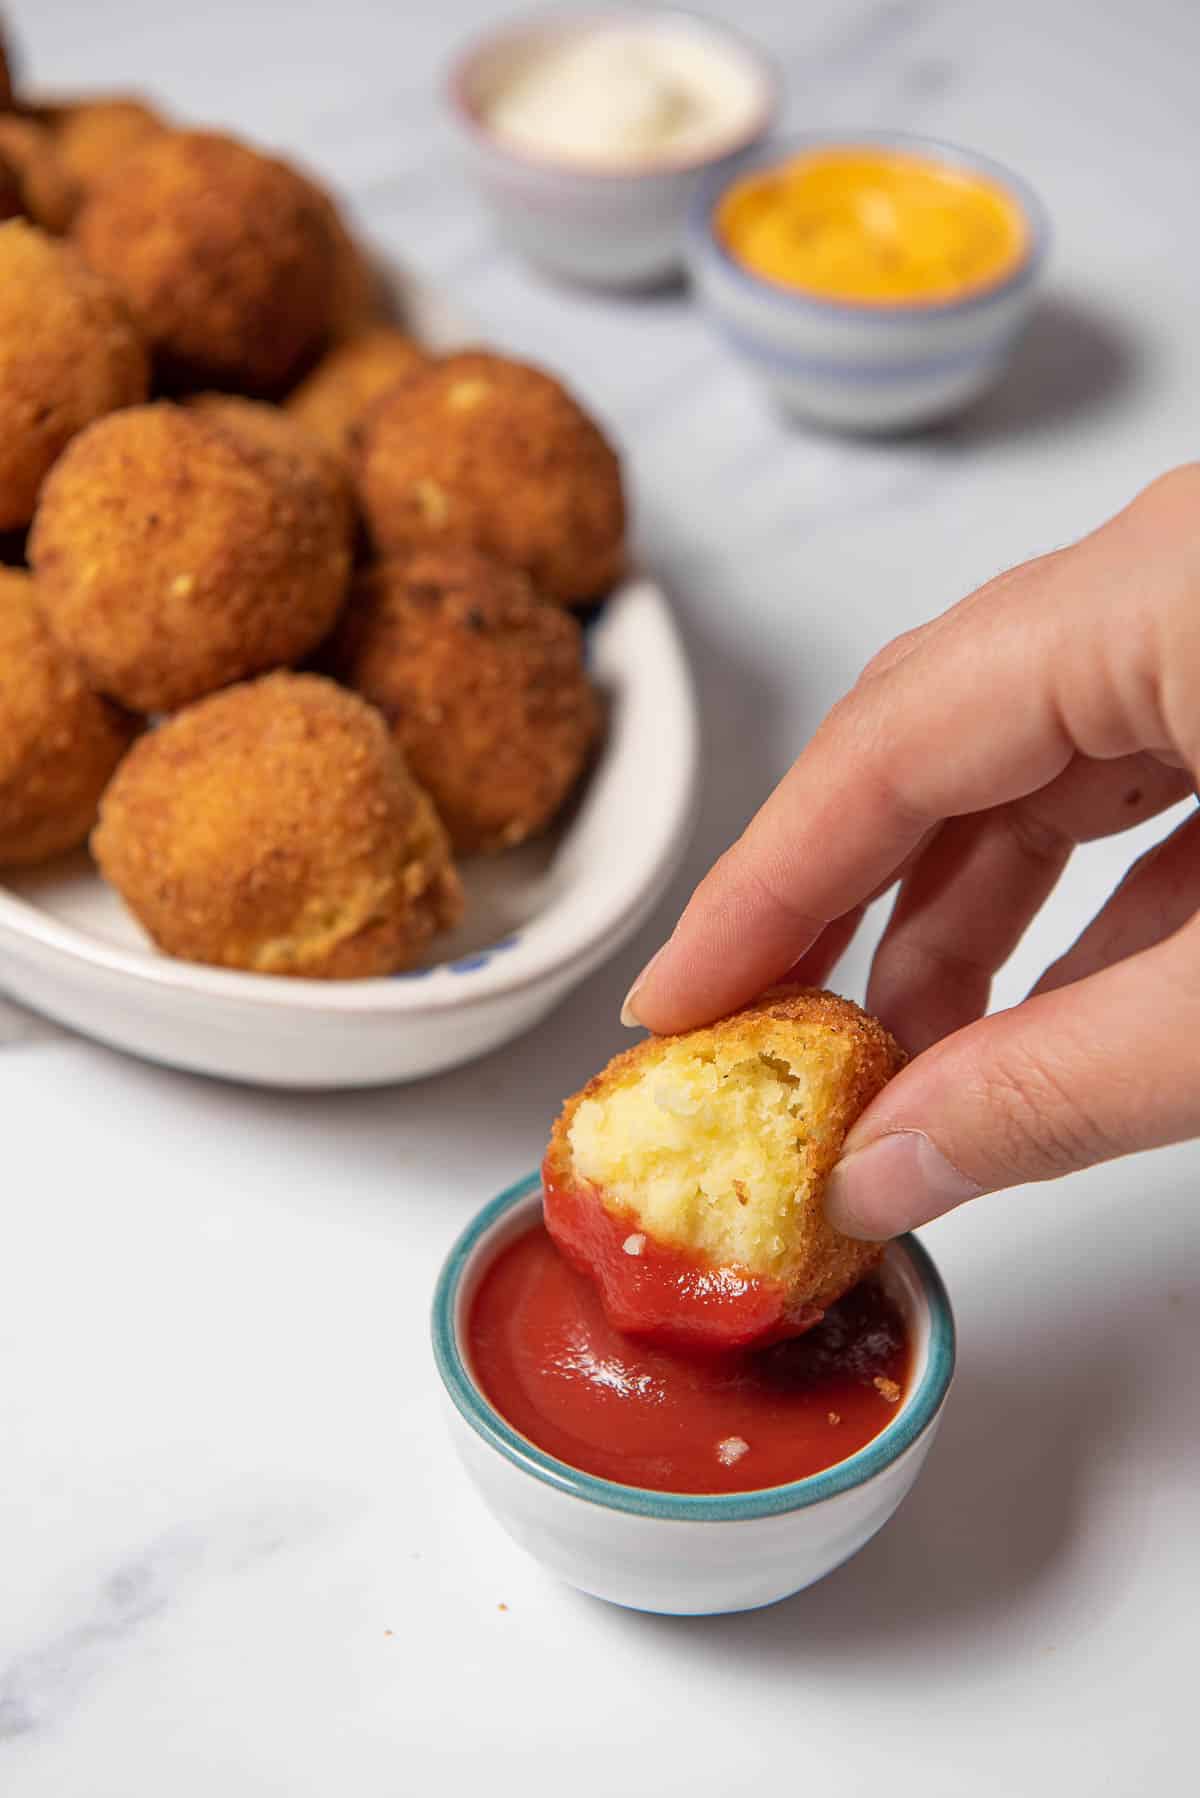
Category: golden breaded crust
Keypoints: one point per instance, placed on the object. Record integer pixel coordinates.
(484, 453)
(59, 743)
(718, 1116)
(49, 192)
(93, 132)
(173, 556)
(69, 352)
(288, 450)
(274, 827)
(359, 298)
(482, 684)
(333, 400)
(223, 255)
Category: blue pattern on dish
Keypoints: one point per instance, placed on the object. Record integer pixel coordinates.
(466, 964)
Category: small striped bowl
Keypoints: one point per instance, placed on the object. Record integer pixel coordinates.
(857, 366)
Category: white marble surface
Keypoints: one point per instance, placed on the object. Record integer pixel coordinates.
(235, 1554)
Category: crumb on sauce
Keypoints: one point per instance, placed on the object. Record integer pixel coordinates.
(731, 1450)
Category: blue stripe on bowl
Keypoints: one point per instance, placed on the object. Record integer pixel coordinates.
(863, 374)
(466, 964)
(683, 1507)
(704, 242)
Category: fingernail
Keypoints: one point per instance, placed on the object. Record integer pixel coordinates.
(897, 1182)
(629, 1016)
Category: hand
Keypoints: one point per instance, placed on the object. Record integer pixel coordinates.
(1058, 704)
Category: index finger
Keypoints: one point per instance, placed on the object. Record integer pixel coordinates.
(985, 705)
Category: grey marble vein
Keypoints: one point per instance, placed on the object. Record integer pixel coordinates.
(43, 1685)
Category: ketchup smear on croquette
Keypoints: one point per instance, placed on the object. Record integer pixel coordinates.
(658, 1292)
(548, 1358)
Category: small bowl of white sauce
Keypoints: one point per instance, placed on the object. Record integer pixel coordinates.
(590, 133)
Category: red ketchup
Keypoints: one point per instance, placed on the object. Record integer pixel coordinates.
(657, 1291)
(547, 1357)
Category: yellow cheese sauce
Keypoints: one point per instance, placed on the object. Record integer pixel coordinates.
(874, 226)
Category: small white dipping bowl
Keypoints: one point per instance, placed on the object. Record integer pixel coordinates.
(682, 1553)
(857, 366)
(598, 224)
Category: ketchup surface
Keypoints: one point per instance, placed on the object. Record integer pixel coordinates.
(547, 1358)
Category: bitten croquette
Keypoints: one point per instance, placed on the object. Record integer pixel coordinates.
(223, 255)
(482, 684)
(687, 1177)
(69, 352)
(59, 743)
(332, 402)
(275, 828)
(484, 453)
(175, 555)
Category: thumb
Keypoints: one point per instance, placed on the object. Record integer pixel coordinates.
(1066, 1079)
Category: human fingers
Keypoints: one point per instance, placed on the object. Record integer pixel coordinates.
(1069, 1078)
(814, 968)
(1092, 651)
(969, 899)
(1160, 893)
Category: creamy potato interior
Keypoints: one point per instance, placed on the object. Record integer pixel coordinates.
(721, 1148)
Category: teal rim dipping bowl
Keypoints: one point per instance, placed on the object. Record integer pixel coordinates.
(686, 1553)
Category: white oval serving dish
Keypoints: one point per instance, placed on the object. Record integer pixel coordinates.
(538, 920)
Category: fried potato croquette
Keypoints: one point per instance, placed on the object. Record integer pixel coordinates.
(687, 1178)
(293, 453)
(483, 685)
(175, 555)
(93, 132)
(333, 400)
(223, 254)
(275, 828)
(69, 352)
(59, 743)
(359, 299)
(48, 192)
(484, 453)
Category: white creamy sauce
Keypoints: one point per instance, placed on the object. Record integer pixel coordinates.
(620, 95)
